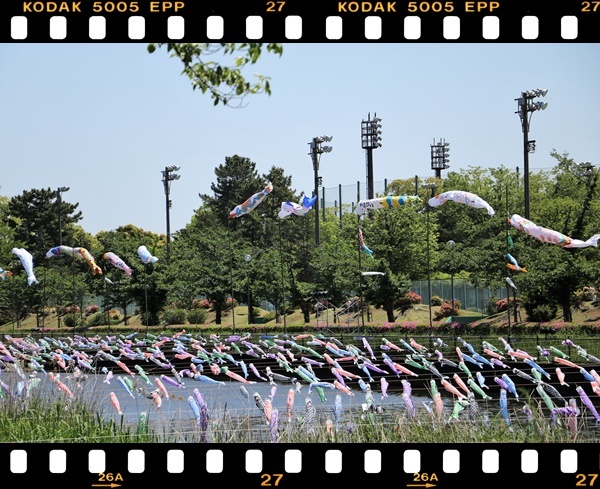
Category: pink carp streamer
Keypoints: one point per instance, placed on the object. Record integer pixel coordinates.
(251, 203)
(117, 262)
(462, 197)
(550, 236)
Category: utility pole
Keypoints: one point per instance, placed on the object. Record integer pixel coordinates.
(316, 150)
(525, 106)
(168, 177)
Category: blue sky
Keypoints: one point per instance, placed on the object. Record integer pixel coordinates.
(105, 119)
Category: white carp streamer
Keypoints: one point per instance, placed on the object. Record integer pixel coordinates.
(145, 255)
(27, 262)
(289, 208)
(61, 250)
(462, 197)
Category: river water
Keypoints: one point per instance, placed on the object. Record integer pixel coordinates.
(231, 404)
(232, 413)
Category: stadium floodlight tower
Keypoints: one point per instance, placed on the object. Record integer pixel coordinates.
(168, 177)
(316, 150)
(370, 135)
(526, 105)
(440, 157)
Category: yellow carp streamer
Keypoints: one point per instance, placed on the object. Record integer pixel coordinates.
(385, 202)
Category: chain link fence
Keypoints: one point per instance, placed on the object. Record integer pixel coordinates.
(343, 198)
(471, 298)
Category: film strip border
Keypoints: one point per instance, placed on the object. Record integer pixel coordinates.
(320, 465)
(295, 21)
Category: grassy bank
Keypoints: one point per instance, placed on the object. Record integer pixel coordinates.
(40, 419)
(418, 316)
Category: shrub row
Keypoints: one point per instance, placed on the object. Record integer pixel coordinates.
(441, 328)
(182, 316)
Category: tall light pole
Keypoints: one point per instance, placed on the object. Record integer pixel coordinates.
(316, 150)
(59, 192)
(526, 105)
(431, 186)
(168, 177)
(370, 135)
(440, 156)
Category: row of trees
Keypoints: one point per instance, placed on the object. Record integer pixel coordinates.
(209, 257)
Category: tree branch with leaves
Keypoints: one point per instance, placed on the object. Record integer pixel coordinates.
(225, 83)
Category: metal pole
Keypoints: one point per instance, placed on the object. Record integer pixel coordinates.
(508, 308)
(14, 302)
(315, 158)
(429, 277)
(168, 177)
(433, 187)
(451, 245)
(507, 287)
(106, 314)
(340, 196)
(282, 279)
(168, 206)
(146, 297)
(362, 310)
(525, 124)
(59, 218)
(370, 185)
(249, 299)
(231, 277)
(73, 276)
(452, 291)
(315, 151)
(59, 192)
